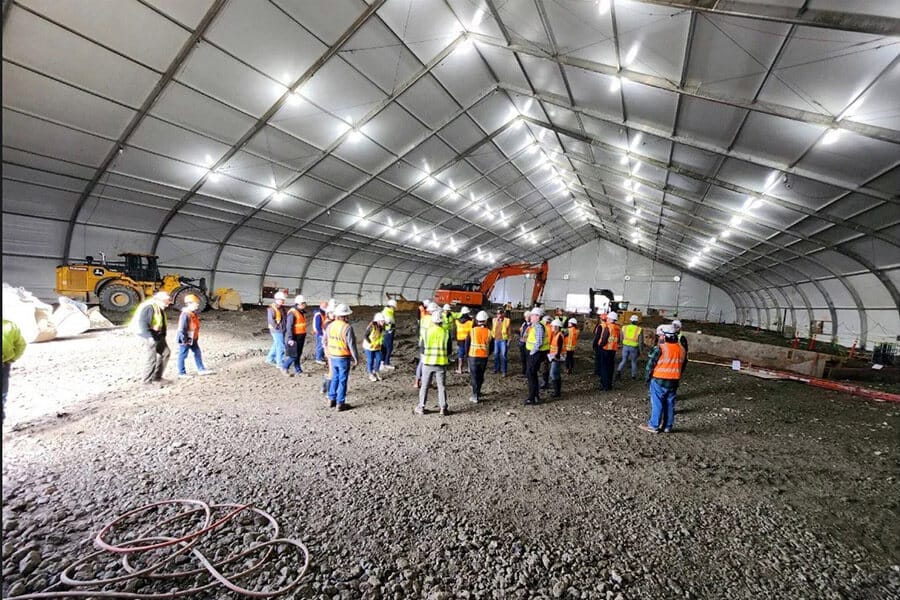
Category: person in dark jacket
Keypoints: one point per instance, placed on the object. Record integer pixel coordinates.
(294, 337)
(150, 326)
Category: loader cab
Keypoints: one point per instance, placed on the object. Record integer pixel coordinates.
(141, 267)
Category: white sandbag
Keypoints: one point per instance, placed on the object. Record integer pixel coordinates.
(98, 321)
(70, 318)
(30, 314)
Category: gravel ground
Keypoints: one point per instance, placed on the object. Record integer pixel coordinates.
(766, 490)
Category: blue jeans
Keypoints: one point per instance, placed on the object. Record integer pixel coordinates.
(276, 352)
(387, 346)
(662, 405)
(629, 353)
(340, 373)
(501, 356)
(198, 356)
(320, 349)
(373, 360)
(555, 369)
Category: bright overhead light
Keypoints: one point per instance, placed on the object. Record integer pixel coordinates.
(355, 135)
(748, 203)
(736, 221)
(623, 160)
(712, 240)
(294, 99)
(637, 213)
(603, 7)
(632, 54)
(629, 198)
(726, 233)
(213, 176)
(831, 137)
(429, 180)
(277, 196)
(615, 84)
(632, 220)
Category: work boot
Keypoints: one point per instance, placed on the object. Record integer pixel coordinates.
(473, 399)
(343, 406)
(332, 403)
(377, 375)
(372, 377)
(557, 389)
(445, 411)
(419, 410)
(618, 375)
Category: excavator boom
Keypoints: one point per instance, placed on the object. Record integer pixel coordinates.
(538, 270)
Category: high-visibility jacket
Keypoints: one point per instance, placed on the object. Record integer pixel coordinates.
(13, 342)
(336, 334)
(192, 325)
(463, 329)
(612, 342)
(532, 338)
(501, 329)
(424, 325)
(671, 360)
(631, 335)
(157, 323)
(572, 339)
(374, 337)
(388, 312)
(479, 341)
(299, 327)
(436, 339)
(276, 316)
(556, 345)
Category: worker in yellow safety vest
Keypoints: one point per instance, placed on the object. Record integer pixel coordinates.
(342, 356)
(537, 344)
(555, 356)
(434, 363)
(387, 346)
(464, 325)
(631, 347)
(149, 323)
(500, 333)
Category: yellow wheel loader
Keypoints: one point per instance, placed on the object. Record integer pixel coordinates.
(120, 286)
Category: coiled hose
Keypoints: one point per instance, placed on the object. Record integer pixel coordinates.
(163, 551)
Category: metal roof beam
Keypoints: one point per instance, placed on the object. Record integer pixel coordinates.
(808, 17)
(654, 81)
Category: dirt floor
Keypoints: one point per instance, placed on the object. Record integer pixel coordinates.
(766, 489)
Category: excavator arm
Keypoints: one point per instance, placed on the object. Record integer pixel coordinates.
(540, 278)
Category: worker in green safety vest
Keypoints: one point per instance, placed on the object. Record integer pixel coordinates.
(434, 363)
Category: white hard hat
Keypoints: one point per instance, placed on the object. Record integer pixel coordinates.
(280, 296)
(573, 321)
(633, 319)
(676, 324)
(300, 299)
(465, 310)
(162, 295)
(661, 330)
(436, 317)
(556, 323)
(342, 310)
(612, 316)
(481, 316)
(433, 308)
(392, 303)
(536, 311)
(546, 318)
(446, 307)
(379, 317)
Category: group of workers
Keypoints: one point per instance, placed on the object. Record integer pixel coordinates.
(547, 346)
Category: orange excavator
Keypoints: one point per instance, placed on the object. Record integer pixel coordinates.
(479, 294)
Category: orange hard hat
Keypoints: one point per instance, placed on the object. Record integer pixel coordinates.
(191, 298)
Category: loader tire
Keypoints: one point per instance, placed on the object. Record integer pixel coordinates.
(180, 293)
(118, 298)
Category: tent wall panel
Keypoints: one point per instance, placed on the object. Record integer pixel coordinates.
(871, 290)
(90, 240)
(287, 264)
(883, 327)
(242, 260)
(182, 253)
(37, 275)
(848, 326)
(37, 200)
(246, 285)
(316, 290)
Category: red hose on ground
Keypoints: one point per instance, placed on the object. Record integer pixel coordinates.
(827, 384)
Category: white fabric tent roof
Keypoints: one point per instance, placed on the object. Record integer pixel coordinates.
(367, 145)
